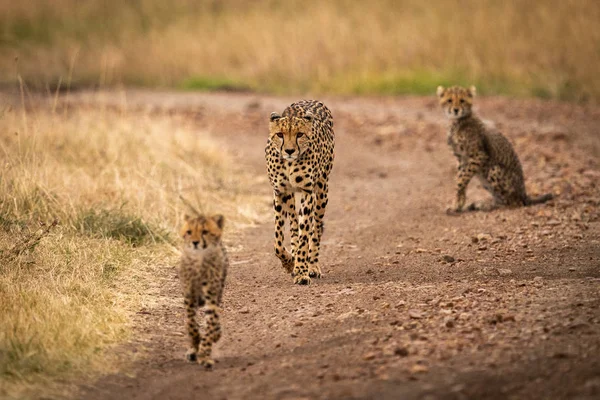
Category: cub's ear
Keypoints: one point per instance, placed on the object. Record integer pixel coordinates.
(308, 116)
(274, 116)
(220, 220)
(472, 91)
(186, 218)
(440, 91)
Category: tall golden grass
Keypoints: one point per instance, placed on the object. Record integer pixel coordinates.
(548, 48)
(88, 209)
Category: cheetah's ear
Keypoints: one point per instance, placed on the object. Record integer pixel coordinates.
(472, 91)
(440, 91)
(274, 116)
(186, 218)
(220, 220)
(308, 116)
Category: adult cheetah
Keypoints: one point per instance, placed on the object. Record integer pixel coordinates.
(299, 157)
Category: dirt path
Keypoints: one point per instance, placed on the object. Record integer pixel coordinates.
(414, 304)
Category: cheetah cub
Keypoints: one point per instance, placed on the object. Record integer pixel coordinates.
(203, 269)
(484, 153)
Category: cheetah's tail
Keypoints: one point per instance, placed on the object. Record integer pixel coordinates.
(539, 199)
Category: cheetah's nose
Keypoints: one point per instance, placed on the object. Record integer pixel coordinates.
(196, 244)
(456, 111)
(290, 151)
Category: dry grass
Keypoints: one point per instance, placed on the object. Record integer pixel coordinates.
(521, 47)
(88, 210)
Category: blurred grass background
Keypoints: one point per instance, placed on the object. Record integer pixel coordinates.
(548, 49)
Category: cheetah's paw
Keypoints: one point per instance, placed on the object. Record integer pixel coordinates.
(314, 271)
(191, 356)
(206, 362)
(302, 280)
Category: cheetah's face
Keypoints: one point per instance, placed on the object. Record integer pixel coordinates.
(201, 232)
(291, 135)
(456, 101)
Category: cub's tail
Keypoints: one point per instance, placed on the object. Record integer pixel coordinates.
(539, 199)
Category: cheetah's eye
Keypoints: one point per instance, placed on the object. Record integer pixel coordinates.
(204, 232)
(462, 101)
(299, 134)
(449, 101)
(189, 232)
(279, 135)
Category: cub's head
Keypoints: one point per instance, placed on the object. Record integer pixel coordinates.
(201, 231)
(456, 101)
(291, 135)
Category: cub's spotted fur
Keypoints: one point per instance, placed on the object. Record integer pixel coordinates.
(484, 153)
(299, 157)
(203, 269)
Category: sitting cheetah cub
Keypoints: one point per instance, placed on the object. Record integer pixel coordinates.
(203, 269)
(483, 153)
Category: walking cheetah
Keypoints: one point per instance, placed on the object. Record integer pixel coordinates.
(203, 269)
(299, 157)
(484, 153)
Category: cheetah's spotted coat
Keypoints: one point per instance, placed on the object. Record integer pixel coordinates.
(299, 157)
(203, 269)
(484, 153)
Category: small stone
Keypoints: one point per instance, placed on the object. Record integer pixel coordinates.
(369, 356)
(484, 237)
(421, 250)
(418, 369)
(449, 322)
(401, 351)
(448, 259)
(482, 247)
(572, 269)
(244, 310)
(504, 271)
(415, 314)
(298, 323)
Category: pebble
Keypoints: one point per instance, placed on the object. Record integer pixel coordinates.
(418, 369)
(369, 356)
(401, 351)
(415, 314)
(504, 271)
(448, 259)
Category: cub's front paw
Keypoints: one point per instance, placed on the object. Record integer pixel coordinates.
(302, 280)
(206, 362)
(191, 356)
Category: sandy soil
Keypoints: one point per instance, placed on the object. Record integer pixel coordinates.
(414, 304)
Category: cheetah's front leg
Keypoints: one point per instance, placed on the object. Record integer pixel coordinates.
(466, 171)
(302, 256)
(211, 335)
(314, 271)
(287, 260)
(192, 326)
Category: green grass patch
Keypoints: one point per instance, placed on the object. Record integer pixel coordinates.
(120, 225)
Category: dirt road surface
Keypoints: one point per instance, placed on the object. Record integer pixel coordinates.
(414, 304)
